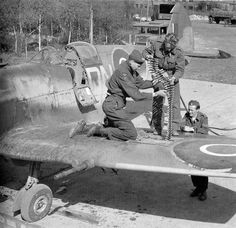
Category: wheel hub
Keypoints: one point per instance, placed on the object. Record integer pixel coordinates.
(40, 204)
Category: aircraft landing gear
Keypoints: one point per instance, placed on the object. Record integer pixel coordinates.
(36, 203)
(33, 200)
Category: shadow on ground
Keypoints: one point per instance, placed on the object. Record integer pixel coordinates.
(155, 194)
(150, 193)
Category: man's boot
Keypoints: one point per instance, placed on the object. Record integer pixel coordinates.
(78, 128)
(96, 130)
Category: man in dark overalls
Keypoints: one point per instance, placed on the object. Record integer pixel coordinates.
(196, 122)
(124, 82)
(170, 59)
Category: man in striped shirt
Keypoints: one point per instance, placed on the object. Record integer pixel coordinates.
(171, 63)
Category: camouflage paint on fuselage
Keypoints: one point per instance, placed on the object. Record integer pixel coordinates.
(39, 93)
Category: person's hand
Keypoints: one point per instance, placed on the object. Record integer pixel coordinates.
(148, 56)
(165, 75)
(172, 80)
(160, 93)
(188, 129)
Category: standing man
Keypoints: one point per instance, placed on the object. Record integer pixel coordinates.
(196, 122)
(171, 63)
(124, 82)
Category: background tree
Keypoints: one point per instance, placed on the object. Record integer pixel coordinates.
(111, 19)
(9, 15)
(51, 22)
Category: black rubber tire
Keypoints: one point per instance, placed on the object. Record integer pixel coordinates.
(233, 22)
(217, 20)
(30, 205)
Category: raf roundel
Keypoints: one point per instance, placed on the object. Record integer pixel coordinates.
(214, 149)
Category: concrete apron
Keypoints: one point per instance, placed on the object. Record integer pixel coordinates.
(217, 100)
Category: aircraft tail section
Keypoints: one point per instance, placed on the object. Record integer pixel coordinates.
(180, 24)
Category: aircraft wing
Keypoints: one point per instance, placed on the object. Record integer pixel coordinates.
(207, 156)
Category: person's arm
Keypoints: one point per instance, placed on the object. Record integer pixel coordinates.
(130, 88)
(203, 129)
(149, 51)
(185, 124)
(143, 84)
(180, 65)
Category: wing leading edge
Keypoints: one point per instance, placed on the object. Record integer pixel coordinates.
(182, 156)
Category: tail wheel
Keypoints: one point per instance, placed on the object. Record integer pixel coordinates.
(36, 203)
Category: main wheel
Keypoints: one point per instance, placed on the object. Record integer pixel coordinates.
(217, 20)
(233, 22)
(36, 203)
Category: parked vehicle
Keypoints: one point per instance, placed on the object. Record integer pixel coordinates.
(218, 15)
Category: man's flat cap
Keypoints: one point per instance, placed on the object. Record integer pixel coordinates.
(136, 56)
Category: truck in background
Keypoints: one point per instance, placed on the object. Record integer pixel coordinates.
(218, 15)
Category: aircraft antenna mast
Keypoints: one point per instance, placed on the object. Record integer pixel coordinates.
(147, 9)
(91, 23)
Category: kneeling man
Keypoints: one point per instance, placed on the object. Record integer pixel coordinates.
(124, 82)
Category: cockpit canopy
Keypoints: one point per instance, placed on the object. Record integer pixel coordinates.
(87, 53)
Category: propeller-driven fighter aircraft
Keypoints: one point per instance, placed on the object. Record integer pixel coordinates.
(41, 101)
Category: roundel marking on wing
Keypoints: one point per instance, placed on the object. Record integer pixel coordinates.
(208, 152)
(209, 149)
